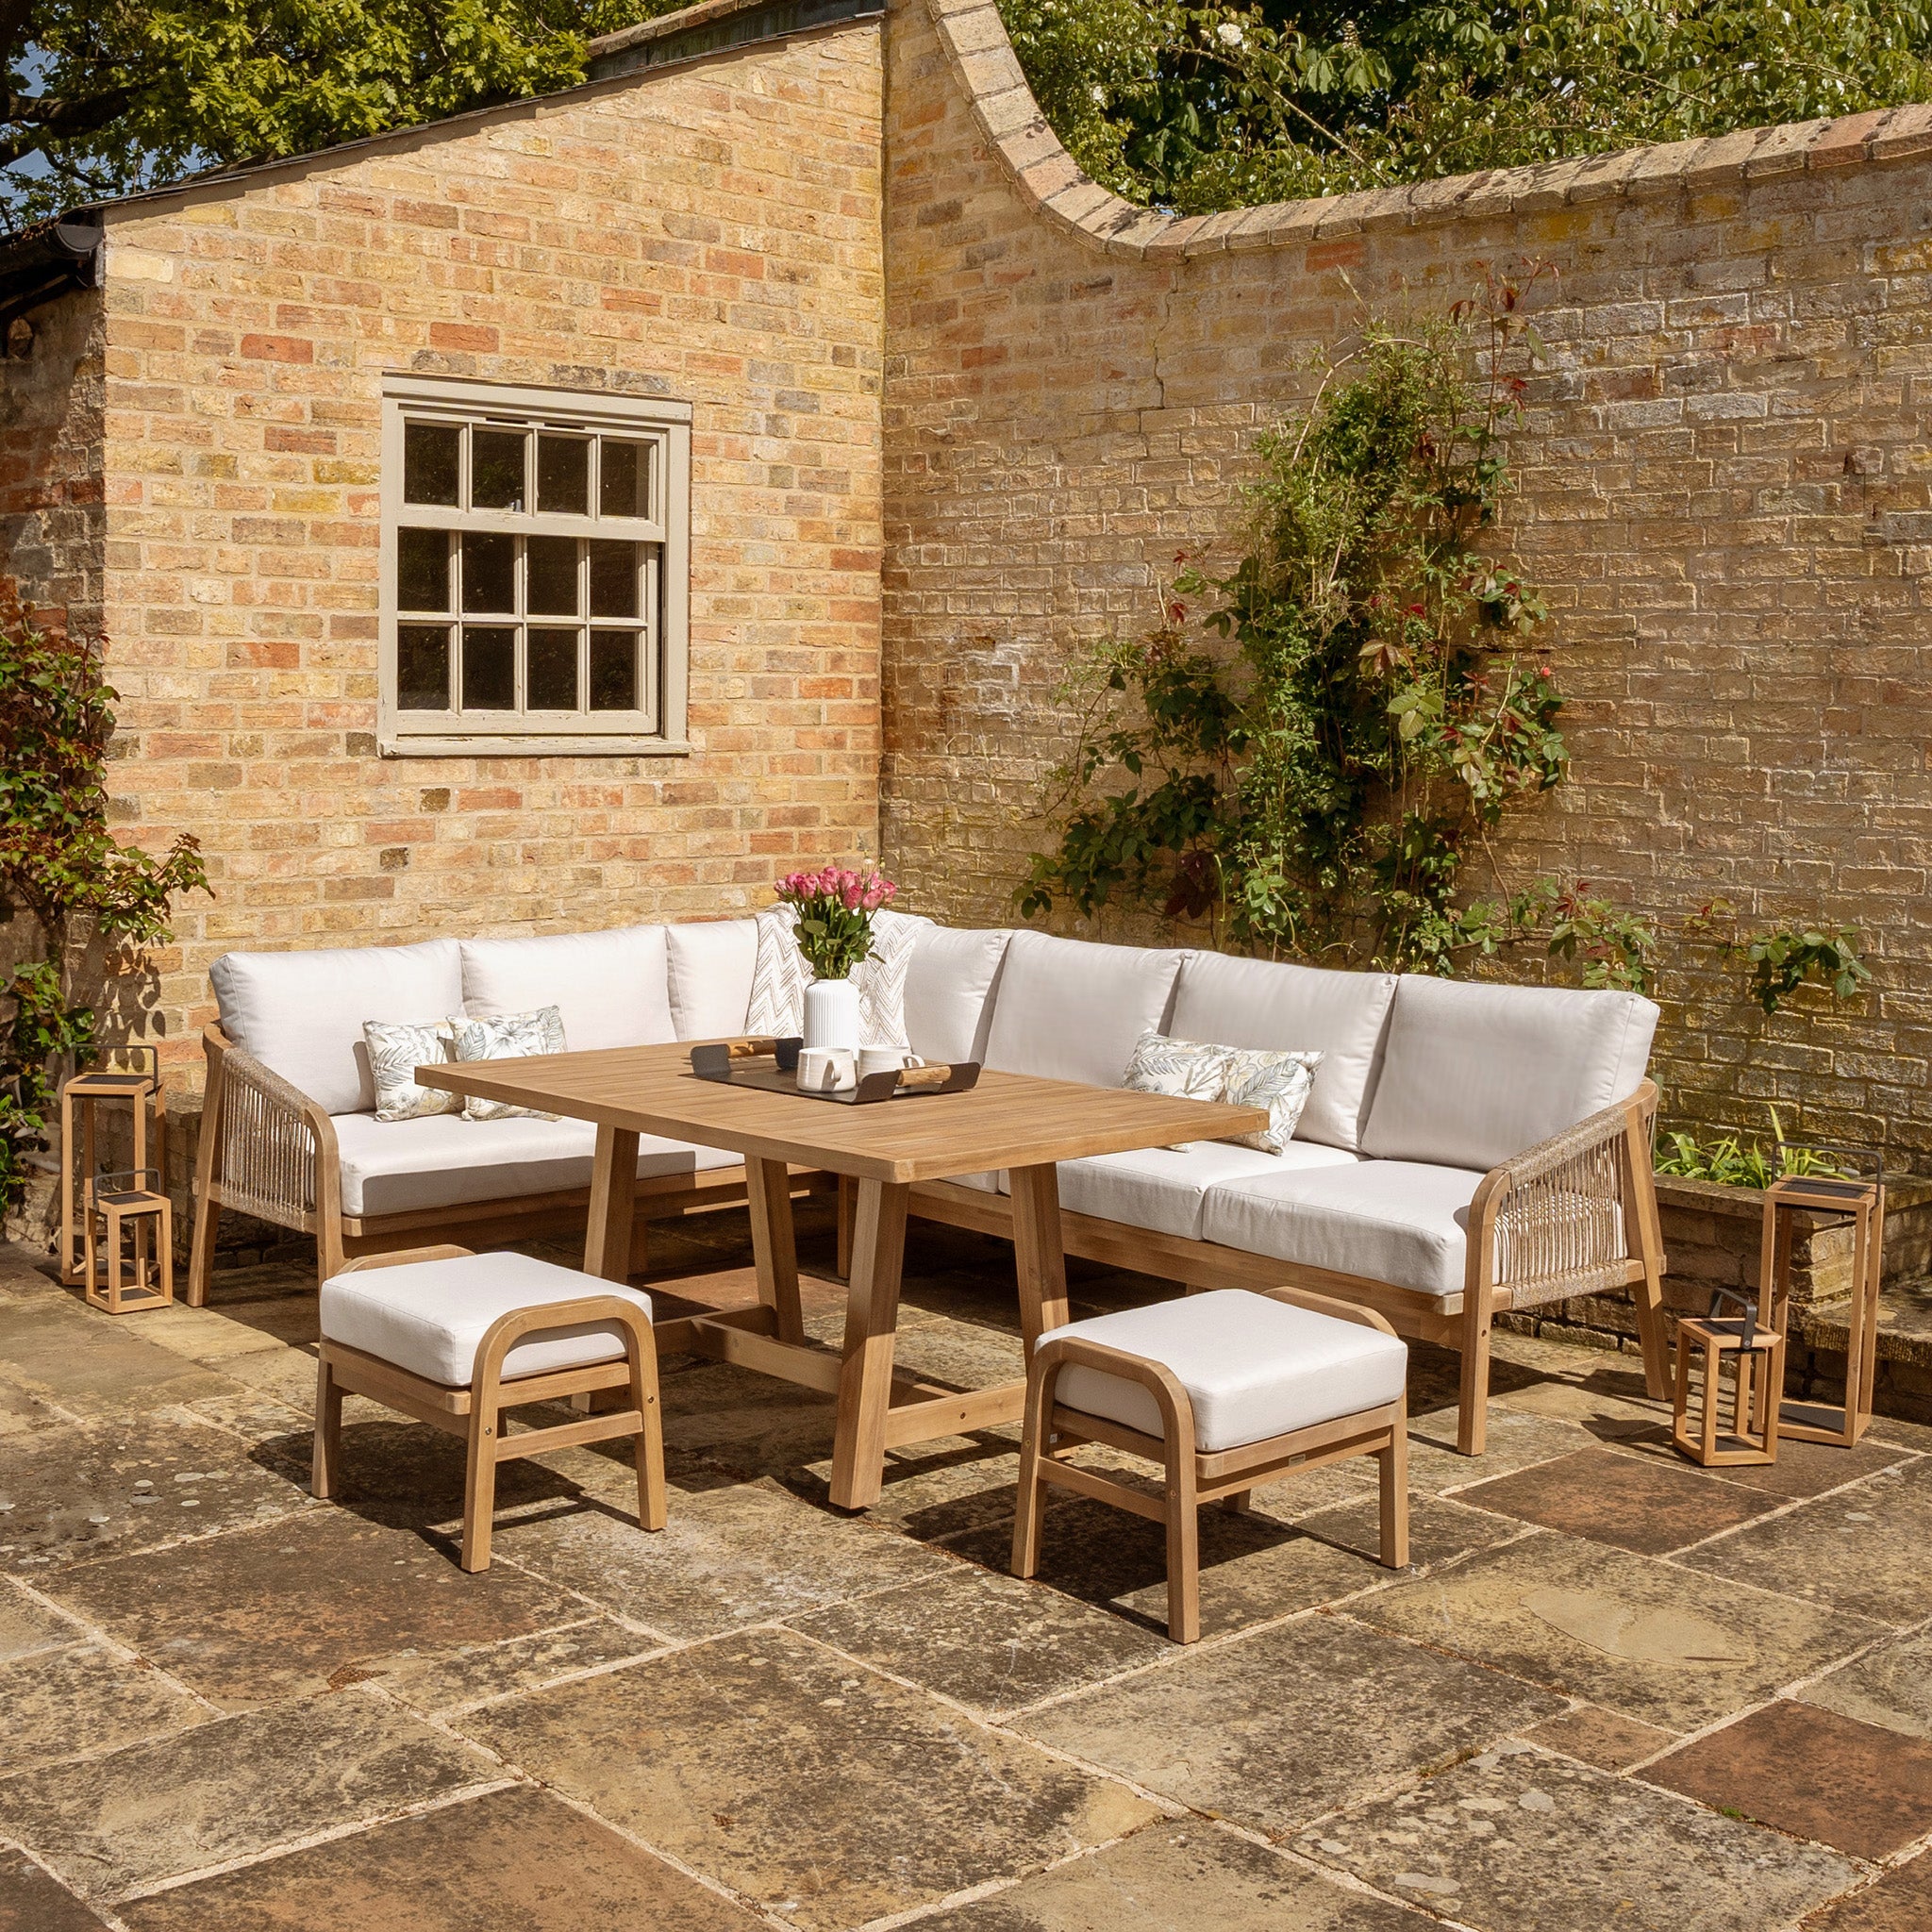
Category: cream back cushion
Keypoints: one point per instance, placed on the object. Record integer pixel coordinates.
(1473, 1074)
(1069, 1010)
(949, 991)
(300, 1014)
(712, 963)
(1258, 1002)
(611, 988)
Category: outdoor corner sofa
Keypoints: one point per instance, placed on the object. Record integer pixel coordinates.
(1466, 1149)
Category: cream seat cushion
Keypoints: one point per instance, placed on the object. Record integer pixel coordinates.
(611, 988)
(1402, 1222)
(394, 1167)
(1252, 1367)
(1165, 1189)
(430, 1317)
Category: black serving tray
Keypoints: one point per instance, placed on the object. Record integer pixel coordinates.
(772, 1066)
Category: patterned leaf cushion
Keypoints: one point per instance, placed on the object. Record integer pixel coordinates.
(1183, 1069)
(396, 1051)
(781, 975)
(508, 1036)
(1279, 1081)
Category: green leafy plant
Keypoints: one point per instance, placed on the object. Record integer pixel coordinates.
(1735, 1163)
(60, 863)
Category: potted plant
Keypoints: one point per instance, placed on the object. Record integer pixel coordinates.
(834, 932)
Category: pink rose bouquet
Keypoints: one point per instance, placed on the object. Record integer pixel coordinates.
(835, 910)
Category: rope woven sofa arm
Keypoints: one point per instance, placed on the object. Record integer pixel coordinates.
(274, 1142)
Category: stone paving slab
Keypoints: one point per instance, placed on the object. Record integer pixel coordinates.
(1651, 1508)
(810, 1785)
(1516, 1440)
(1867, 1550)
(1802, 1469)
(1275, 1729)
(432, 1679)
(53, 1341)
(21, 1411)
(1890, 1685)
(1813, 1774)
(1666, 1645)
(58, 1703)
(285, 1611)
(1603, 1738)
(1189, 1877)
(514, 1860)
(231, 1789)
(1512, 1841)
(27, 1626)
(89, 1489)
(32, 1900)
(1900, 1901)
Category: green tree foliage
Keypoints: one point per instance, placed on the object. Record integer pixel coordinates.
(61, 866)
(1199, 108)
(107, 95)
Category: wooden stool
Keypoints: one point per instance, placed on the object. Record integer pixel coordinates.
(134, 1076)
(1758, 1355)
(1224, 1390)
(1862, 1204)
(457, 1340)
(114, 1207)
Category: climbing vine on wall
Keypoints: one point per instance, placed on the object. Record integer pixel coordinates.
(1305, 752)
(60, 866)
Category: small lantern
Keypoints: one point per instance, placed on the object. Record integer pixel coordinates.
(1755, 1350)
(131, 1074)
(118, 1203)
(1860, 1203)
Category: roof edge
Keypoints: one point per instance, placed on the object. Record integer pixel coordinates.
(989, 72)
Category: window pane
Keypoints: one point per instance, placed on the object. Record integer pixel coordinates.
(496, 469)
(490, 572)
(623, 479)
(551, 587)
(489, 668)
(613, 579)
(422, 667)
(613, 671)
(550, 677)
(423, 569)
(432, 458)
(563, 474)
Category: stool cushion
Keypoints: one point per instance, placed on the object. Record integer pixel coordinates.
(1253, 1367)
(430, 1317)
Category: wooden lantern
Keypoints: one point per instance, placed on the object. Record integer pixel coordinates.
(120, 1206)
(131, 1076)
(1859, 1203)
(1756, 1353)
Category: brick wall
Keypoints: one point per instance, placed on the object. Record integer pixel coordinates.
(709, 233)
(1723, 491)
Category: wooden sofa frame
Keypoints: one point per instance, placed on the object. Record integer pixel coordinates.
(269, 1151)
(1576, 1215)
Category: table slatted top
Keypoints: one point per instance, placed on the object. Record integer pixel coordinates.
(1007, 1120)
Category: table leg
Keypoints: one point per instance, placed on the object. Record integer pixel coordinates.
(613, 1197)
(773, 1246)
(1038, 1251)
(872, 1315)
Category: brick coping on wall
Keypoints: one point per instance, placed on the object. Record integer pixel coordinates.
(983, 59)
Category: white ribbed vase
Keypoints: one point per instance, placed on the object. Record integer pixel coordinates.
(831, 1014)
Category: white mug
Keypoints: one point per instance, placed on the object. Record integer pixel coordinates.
(885, 1059)
(827, 1070)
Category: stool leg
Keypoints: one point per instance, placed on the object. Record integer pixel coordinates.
(1027, 1506)
(480, 1482)
(326, 1461)
(1713, 1395)
(653, 1504)
(1394, 1461)
(166, 1241)
(1183, 1547)
(1238, 1502)
(114, 1245)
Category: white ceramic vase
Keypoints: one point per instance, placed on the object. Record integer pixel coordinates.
(831, 1014)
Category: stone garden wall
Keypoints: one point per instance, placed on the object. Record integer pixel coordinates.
(1723, 491)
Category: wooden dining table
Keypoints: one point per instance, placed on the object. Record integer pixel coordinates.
(1007, 1120)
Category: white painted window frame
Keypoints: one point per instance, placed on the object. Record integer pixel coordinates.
(658, 731)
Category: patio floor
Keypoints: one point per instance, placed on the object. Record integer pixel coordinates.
(1614, 1692)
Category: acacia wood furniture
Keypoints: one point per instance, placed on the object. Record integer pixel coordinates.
(1215, 1348)
(1754, 1350)
(1862, 1204)
(1574, 1216)
(269, 1151)
(122, 1207)
(478, 1409)
(130, 1077)
(1009, 1120)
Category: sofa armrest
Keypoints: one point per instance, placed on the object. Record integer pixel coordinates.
(275, 1149)
(1566, 1217)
